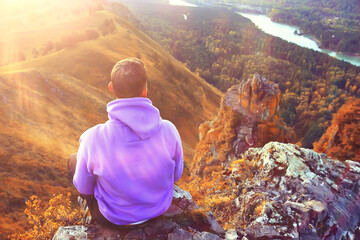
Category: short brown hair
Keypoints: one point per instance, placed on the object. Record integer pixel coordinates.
(128, 78)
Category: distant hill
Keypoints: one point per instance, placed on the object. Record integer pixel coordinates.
(48, 100)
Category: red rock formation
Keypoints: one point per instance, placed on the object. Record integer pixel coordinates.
(259, 97)
(247, 118)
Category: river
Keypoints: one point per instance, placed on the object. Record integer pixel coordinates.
(286, 32)
(181, 3)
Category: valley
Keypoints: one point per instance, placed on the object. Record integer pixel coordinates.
(225, 48)
(55, 66)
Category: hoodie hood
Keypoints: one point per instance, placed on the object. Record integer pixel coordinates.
(137, 113)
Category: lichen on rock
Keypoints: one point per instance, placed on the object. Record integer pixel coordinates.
(267, 189)
(307, 195)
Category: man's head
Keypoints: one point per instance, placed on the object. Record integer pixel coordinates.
(128, 78)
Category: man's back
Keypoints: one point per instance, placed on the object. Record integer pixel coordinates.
(130, 163)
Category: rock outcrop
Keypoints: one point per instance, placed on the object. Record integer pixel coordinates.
(184, 220)
(256, 98)
(295, 193)
(247, 118)
(271, 190)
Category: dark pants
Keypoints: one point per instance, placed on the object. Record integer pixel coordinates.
(91, 201)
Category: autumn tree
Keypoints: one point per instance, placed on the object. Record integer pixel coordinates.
(341, 139)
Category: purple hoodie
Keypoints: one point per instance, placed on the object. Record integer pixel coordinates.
(130, 163)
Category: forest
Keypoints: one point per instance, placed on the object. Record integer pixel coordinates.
(334, 23)
(224, 48)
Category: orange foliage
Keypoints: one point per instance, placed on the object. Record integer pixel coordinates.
(341, 139)
(45, 222)
(244, 168)
(217, 140)
(259, 208)
(207, 182)
(216, 193)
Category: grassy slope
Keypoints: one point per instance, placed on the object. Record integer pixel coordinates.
(47, 102)
(92, 61)
(42, 114)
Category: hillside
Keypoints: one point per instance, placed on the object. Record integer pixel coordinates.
(91, 61)
(42, 114)
(48, 100)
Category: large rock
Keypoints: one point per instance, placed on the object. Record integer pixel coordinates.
(256, 97)
(184, 220)
(296, 193)
(246, 118)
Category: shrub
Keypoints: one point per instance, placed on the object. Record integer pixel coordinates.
(44, 223)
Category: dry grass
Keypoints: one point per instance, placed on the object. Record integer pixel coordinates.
(47, 102)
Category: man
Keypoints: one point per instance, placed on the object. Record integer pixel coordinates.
(126, 167)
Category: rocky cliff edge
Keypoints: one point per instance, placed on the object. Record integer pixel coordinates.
(279, 191)
(184, 220)
(287, 192)
(270, 190)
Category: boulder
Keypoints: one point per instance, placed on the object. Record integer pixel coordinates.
(184, 220)
(296, 193)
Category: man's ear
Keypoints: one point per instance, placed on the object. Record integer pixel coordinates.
(110, 87)
(144, 92)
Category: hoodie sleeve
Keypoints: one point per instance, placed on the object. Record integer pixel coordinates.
(84, 180)
(178, 158)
